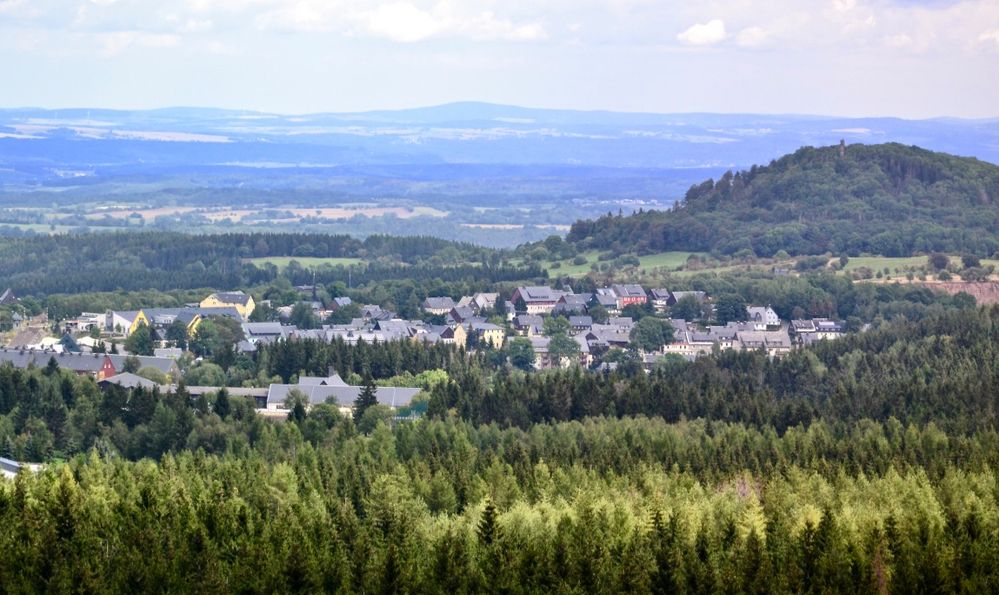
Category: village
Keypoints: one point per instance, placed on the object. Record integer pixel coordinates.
(594, 326)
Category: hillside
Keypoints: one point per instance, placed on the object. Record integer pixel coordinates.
(886, 199)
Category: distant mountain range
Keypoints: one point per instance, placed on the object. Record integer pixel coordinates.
(432, 153)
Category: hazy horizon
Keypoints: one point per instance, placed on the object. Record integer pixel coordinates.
(462, 102)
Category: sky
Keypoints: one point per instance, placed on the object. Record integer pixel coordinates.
(905, 58)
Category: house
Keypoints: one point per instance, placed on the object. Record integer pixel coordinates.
(446, 334)
(580, 323)
(606, 297)
(542, 361)
(84, 322)
(484, 301)
(164, 364)
(660, 299)
(629, 295)
(528, 324)
(489, 333)
(267, 332)
(438, 306)
(127, 380)
(124, 322)
(161, 318)
(775, 343)
(461, 314)
(395, 329)
(806, 332)
(96, 365)
(375, 312)
(242, 302)
(340, 302)
(334, 390)
(676, 296)
(762, 318)
(7, 298)
(480, 302)
(537, 299)
(572, 303)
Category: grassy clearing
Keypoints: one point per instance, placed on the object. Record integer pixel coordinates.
(306, 261)
(878, 263)
(669, 260)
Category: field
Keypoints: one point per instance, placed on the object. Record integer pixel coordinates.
(305, 261)
(669, 260)
(237, 215)
(879, 263)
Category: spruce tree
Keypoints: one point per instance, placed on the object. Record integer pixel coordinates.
(366, 399)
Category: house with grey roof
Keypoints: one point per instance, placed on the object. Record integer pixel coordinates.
(659, 298)
(537, 299)
(128, 380)
(629, 294)
(775, 343)
(581, 323)
(438, 306)
(762, 318)
(699, 296)
(164, 364)
(572, 303)
(334, 390)
(267, 332)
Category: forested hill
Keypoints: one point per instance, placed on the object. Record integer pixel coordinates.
(887, 199)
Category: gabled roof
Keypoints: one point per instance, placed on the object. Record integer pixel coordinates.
(344, 396)
(538, 293)
(525, 320)
(163, 364)
(333, 380)
(7, 297)
(629, 290)
(232, 297)
(697, 295)
(78, 362)
(129, 380)
(461, 314)
(438, 303)
(266, 329)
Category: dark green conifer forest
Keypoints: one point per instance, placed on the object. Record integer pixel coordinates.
(866, 464)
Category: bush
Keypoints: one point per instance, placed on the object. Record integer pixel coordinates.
(579, 260)
(970, 261)
(939, 261)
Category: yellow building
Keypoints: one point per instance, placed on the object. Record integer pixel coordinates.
(243, 303)
(489, 333)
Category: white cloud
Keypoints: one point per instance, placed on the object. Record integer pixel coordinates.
(899, 41)
(990, 39)
(400, 21)
(751, 37)
(115, 42)
(708, 33)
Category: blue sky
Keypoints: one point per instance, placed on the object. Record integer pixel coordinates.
(903, 58)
